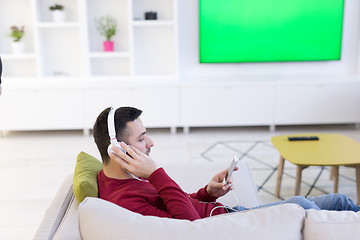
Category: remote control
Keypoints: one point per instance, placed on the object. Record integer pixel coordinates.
(304, 138)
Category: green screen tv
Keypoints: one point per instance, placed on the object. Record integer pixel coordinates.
(233, 31)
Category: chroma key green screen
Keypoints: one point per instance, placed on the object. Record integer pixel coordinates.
(270, 30)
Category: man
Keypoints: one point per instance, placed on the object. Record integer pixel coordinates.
(134, 181)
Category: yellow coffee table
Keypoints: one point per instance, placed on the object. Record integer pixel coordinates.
(330, 150)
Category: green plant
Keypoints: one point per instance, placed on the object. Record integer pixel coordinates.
(16, 33)
(106, 26)
(56, 7)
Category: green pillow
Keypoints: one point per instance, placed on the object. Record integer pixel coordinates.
(85, 176)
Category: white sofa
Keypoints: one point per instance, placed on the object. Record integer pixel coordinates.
(98, 219)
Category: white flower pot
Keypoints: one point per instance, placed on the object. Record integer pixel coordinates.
(17, 47)
(59, 16)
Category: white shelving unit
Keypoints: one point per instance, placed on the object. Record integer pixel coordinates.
(22, 56)
(101, 63)
(58, 25)
(77, 44)
(153, 57)
(140, 23)
(109, 55)
(64, 78)
(62, 40)
(21, 65)
(64, 65)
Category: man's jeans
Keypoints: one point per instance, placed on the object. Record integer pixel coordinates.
(333, 201)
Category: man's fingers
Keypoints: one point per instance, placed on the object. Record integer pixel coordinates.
(227, 187)
(122, 158)
(137, 151)
(129, 150)
(223, 172)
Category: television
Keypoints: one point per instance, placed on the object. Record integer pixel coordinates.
(233, 31)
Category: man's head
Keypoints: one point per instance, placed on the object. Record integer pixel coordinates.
(128, 128)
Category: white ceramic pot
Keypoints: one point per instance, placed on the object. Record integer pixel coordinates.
(17, 47)
(59, 16)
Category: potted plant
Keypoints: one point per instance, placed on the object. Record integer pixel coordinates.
(58, 12)
(17, 33)
(107, 27)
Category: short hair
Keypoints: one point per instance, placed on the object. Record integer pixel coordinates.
(122, 116)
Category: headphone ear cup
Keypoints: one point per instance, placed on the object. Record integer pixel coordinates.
(109, 149)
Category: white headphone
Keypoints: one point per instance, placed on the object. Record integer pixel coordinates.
(113, 139)
(112, 133)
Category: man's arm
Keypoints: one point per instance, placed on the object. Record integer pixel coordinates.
(178, 204)
(160, 197)
(202, 195)
(215, 189)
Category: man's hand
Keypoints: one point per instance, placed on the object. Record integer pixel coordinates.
(138, 163)
(216, 188)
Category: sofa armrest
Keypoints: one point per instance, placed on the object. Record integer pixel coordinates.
(55, 213)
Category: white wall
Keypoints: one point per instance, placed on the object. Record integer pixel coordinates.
(189, 57)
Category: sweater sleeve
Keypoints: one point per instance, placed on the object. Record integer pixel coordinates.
(202, 195)
(177, 202)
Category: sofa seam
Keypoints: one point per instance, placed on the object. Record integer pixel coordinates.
(61, 216)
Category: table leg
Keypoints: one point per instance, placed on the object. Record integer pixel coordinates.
(358, 183)
(279, 177)
(335, 172)
(331, 177)
(298, 179)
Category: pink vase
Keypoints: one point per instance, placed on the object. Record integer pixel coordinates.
(108, 46)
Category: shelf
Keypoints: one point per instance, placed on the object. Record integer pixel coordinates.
(24, 56)
(109, 54)
(145, 23)
(58, 25)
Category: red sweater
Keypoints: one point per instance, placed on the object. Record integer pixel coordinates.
(160, 196)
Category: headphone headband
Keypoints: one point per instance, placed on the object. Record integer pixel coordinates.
(111, 126)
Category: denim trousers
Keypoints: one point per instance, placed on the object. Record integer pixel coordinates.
(332, 201)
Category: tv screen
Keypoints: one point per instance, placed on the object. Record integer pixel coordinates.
(234, 31)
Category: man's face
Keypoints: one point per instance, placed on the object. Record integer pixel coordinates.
(136, 136)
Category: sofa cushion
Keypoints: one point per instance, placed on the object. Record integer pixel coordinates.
(85, 176)
(100, 219)
(331, 225)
